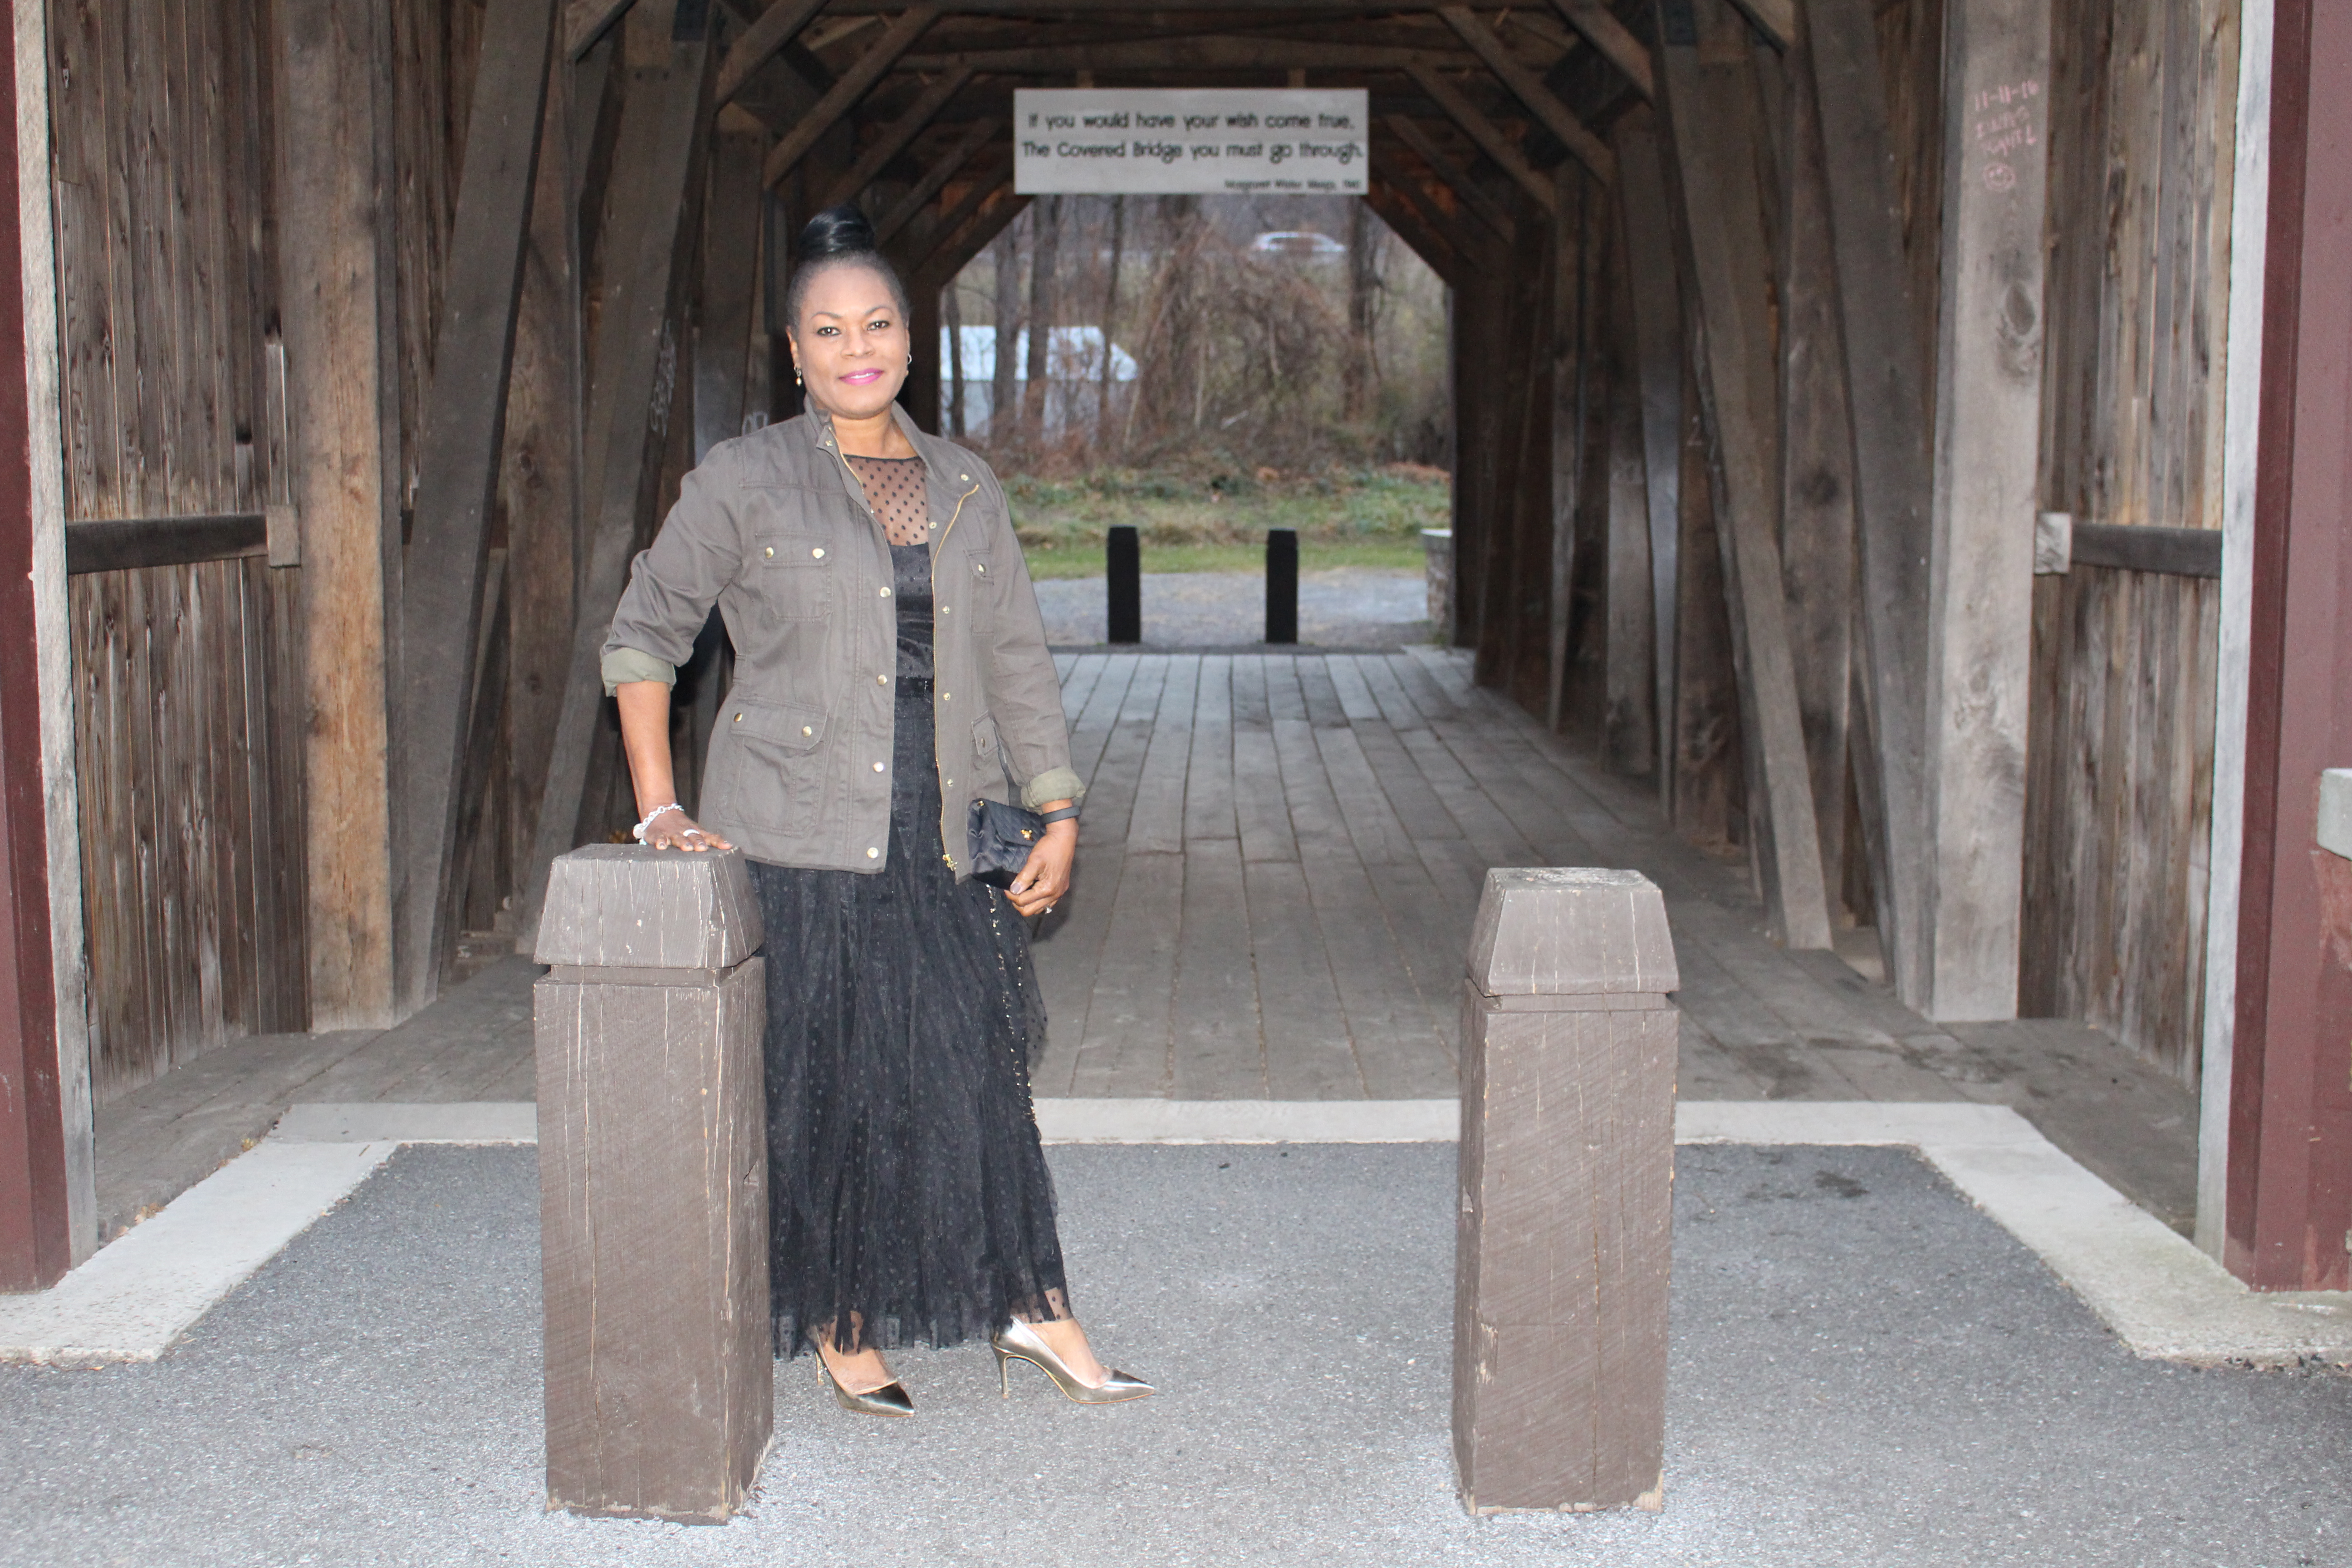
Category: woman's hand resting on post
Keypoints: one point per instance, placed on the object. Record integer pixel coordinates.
(1046, 875)
(676, 830)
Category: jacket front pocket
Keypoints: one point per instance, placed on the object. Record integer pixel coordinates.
(793, 574)
(769, 768)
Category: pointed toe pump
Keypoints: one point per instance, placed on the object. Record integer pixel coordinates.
(1018, 1342)
(890, 1399)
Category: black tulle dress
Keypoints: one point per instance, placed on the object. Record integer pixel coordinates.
(908, 1194)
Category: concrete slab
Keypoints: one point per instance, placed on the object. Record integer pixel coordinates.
(140, 1292)
(1864, 1371)
(366, 1121)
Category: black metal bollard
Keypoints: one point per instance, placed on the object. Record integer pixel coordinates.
(1281, 584)
(1126, 569)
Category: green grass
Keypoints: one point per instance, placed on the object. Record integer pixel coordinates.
(1216, 520)
(1087, 560)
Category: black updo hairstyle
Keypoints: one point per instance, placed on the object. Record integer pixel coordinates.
(839, 237)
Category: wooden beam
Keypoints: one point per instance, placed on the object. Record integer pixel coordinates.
(730, 292)
(1884, 387)
(895, 138)
(1408, 225)
(540, 479)
(335, 266)
(1458, 179)
(1776, 19)
(127, 543)
(1483, 132)
(2288, 1197)
(1587, 149)
(1628, 735)
(2134, 547)
(844, 94)
(968, 236)
(1655, 304)
(1817, 519)
(761, 42)
(1605, 33)
(47, 1173)
(1442, 226)
(1195, 53)
(458, 475)
(585, 21)
(1573, 381)
(943, 169)
(1987, 487)
(647, 220)
(1715, 119)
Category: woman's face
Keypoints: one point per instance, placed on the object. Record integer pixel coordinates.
(850, 346)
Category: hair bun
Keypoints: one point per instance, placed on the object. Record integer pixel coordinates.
(837, 231)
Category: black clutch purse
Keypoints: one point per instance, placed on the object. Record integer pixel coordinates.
(1002, 836)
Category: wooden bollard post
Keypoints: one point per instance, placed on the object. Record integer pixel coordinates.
(653, 1180)
(1563, 1244)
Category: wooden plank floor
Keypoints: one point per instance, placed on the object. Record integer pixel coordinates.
(1278, 864)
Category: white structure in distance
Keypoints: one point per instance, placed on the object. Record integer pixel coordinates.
(1112, 141)
(1074, 368)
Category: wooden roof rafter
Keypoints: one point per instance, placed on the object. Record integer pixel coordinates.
(1453, 176)
(880, 55)
(897, 134)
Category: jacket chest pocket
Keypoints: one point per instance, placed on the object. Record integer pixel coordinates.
(979, 588)
(794, 574)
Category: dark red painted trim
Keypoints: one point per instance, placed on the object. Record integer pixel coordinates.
(2290, 1169)
(36, 1240)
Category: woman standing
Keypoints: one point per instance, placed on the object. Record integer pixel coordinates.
(890, 668)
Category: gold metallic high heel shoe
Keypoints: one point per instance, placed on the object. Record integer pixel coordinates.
(1018, 1342)
(890, 1399)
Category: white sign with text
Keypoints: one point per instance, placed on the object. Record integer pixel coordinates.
(1111, 140)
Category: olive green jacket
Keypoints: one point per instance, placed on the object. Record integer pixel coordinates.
(775, 529)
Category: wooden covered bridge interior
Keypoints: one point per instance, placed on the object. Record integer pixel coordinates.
(1876, 476)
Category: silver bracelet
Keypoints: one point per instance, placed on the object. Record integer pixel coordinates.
(638, 832)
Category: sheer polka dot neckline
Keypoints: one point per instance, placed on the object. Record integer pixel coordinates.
(894, 489)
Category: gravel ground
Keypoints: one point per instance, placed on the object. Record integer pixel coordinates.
(1353, 607)
(1866, 1371)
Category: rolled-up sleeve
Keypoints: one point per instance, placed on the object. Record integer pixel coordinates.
(673, 585)
(624, 666)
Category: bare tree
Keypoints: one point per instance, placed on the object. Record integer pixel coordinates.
(1110, 312)
(952, 317)
(1008, 333)
(1044, 267)
(1363, 284)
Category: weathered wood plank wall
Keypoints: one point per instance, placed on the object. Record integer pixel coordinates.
(188, 691)
(2120, 789)
(190, 695)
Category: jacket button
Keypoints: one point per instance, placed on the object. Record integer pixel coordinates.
(739, 719)
(965, 478)
(873, 854)
(881, 680)
(806, 730)
(886, 592)
(947, 609)
(945, 695)
(817, 554)
(878, 767)
(770, 552)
